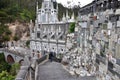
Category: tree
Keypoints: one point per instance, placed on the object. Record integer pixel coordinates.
(16, 38)
(25, 15)
(6, 38)
(8, 32)
(7, 72)
(14, 69)
(28, 43)
(4, 75)
(3, 64)
(2, 57)
(4, 33)
(4, 3)
(72, 28)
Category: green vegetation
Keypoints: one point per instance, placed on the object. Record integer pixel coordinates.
(4, 33)
(14, 69)
(72, 28)
(11, 10)
(7, 71)
(4, 75)
(28, 43)
(16, 38)
(4, 66)
(25, 15)
(24, 10)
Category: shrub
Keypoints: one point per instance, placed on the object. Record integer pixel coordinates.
(14, 69)
(8, 32)
(27, 43)
(72, 28)
(4, 75)
(3, 14)
(3, 64)
(6, 38)
(16, 38)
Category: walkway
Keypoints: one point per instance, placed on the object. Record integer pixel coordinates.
(55, 71)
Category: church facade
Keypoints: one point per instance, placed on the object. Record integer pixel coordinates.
(49, 34)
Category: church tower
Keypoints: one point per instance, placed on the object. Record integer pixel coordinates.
(47, 14)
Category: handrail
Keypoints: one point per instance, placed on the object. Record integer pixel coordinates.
(24, 71)
(41, 59)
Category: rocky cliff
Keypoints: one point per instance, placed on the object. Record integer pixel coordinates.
(20, 30)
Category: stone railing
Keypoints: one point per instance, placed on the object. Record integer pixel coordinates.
(42, 59)
(27, 71)
(23, 73)
(12, 52)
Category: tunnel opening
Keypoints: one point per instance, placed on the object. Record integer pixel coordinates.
(10, 59)
(21, 61)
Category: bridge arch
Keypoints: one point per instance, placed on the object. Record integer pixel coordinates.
(10, 59)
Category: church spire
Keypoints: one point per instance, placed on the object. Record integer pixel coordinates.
(30, 26)
(63, 18)
(57, 6)
(37, 7)
(67, 16)
(73, 16)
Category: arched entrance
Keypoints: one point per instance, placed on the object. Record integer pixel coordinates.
(10, 59)
(21, 61)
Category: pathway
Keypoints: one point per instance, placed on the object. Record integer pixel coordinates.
(55, 71)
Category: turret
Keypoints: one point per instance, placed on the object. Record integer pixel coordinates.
(67, 16)
(37, 7)
(30, 26)
(57, 7)
(73, 16)
(63, 18)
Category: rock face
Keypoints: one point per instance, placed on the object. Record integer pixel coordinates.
(93, 49)
(79, 63)
(20, 30)
(96, 45)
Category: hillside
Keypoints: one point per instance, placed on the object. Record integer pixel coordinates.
(11, 10)
(17, 10)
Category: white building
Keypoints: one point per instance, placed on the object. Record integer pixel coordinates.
(49, 34)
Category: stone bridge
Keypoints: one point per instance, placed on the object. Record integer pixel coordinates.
(12, 56)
